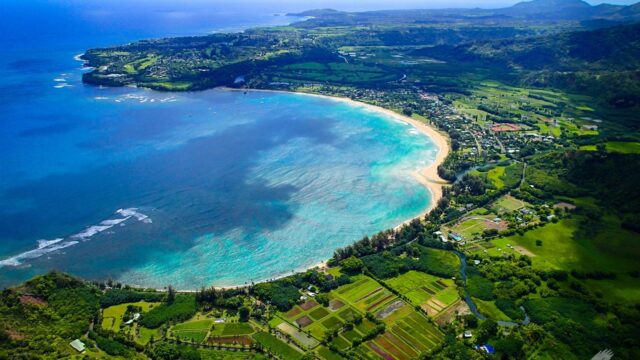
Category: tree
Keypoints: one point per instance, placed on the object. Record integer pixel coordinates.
(352, 265)
(470, 320)
(171, 294)
(244, 313)
(487, 330)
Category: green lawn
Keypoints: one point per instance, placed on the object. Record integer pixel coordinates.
(490, 310)
(112, 316)
(194, 331)
(508, 203)
(617, 146)
(327, 354)
(276, 346)
(607, 247)
(230, 329)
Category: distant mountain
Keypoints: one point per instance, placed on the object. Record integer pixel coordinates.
(603, 61)
(560, 9)
(535, 10)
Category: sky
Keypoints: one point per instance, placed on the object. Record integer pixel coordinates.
(298, 5)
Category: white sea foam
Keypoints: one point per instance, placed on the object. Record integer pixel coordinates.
(90, 231)
(133, 212)
(101, 98)
(44, 243)
(60, 79)
(44, 247)
(50, 246)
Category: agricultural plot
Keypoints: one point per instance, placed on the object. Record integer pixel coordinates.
(406, 338)
(471, 227)
(326, 354)
(334, 72)
(231, 334)
(432, 293)
(275, 345)
(508, 203)
(365, 295)
(302, 338)
(192, 331)
(314, 319)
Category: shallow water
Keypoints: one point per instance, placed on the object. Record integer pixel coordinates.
(189, 189)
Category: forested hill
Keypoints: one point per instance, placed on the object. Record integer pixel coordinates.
(603, 61)
(536, 10)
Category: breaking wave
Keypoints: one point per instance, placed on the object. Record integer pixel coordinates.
(50, 246)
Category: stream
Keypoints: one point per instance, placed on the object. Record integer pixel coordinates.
(472, 305)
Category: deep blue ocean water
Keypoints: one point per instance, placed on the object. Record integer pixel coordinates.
(190, 189)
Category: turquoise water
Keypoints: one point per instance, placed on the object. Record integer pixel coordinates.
(189, 189)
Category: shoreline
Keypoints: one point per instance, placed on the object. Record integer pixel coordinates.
(427, 176)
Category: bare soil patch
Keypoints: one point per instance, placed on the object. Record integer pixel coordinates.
(239, 340)
(304, 321)
(309, 305)
(335, 304)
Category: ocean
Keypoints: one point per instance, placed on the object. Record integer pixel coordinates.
(189, 189)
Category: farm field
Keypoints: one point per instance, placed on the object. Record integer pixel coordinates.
(432, 293)
(508, 203)
(233, 333)
(406, 338)
(365, 295)
(192, 331)
(276, 346)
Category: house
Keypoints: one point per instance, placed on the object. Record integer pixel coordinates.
(467, 334)
(455, 237)
(486, 348)
(476, 262)
(78, 345)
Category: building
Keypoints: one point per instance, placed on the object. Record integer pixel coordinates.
(78, 345)
(455, 237)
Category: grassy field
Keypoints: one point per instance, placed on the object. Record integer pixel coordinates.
(606, 247)
(617, 146)
(432, 293)
(276, 346)
(231, 329)
(508, 203)
(327, 354)
(193, 331)
(112, 316)
(490, 310)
